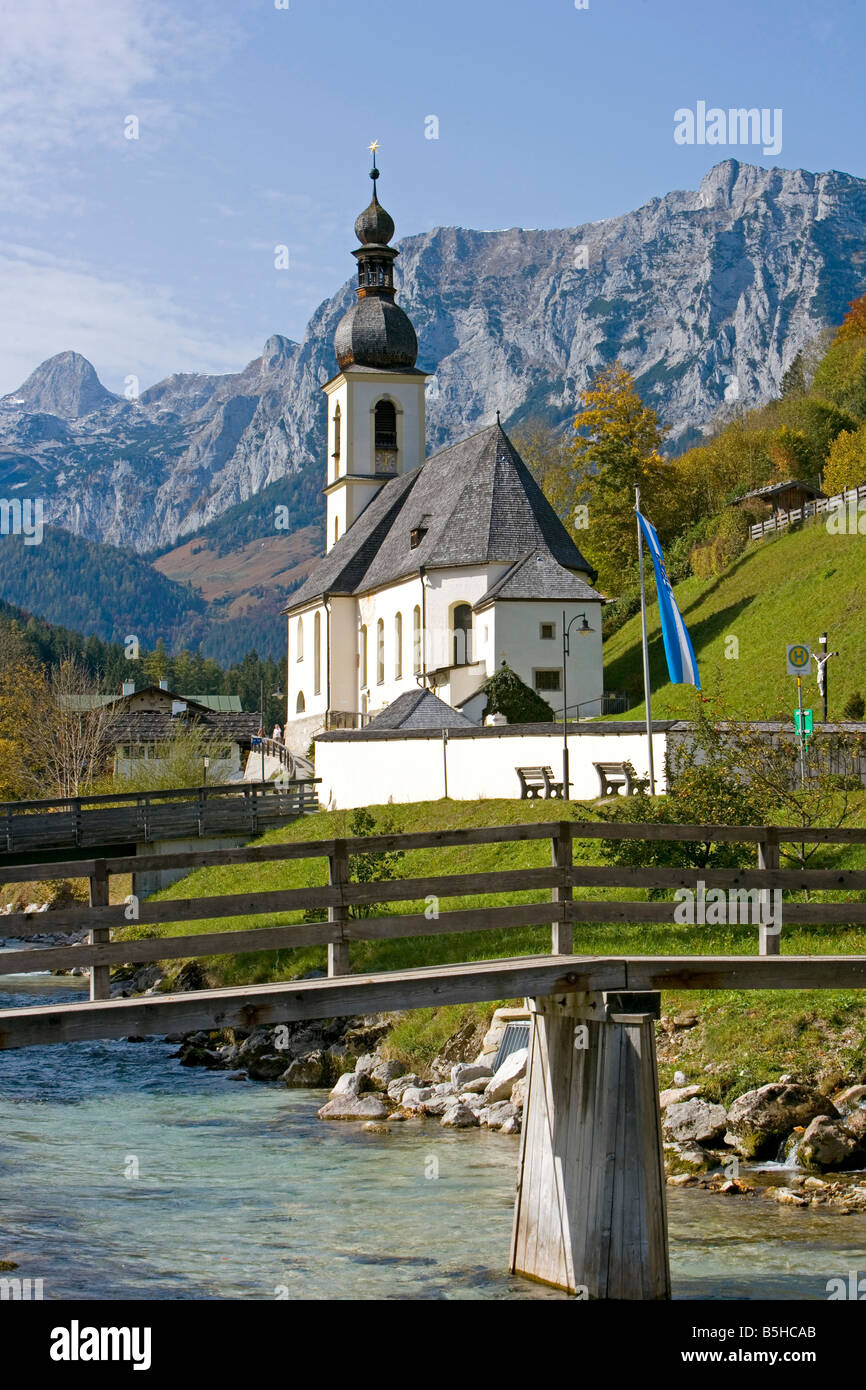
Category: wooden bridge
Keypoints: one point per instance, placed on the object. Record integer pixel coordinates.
(590, 1211)
(39, 828)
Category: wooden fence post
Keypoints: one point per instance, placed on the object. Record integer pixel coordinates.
(769, 933)
(590, 1215)
(100, 975)
(562, 933)
(338, 875)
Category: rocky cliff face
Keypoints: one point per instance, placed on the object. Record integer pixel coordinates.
(706, 296)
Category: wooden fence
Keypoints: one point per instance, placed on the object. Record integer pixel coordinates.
(341, 895)
(780, 520)
(141, 817)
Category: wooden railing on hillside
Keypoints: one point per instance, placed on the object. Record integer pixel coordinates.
(341, 895)
(120, 818)
(781, 519)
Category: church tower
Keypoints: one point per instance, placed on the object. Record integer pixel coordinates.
(376, 421)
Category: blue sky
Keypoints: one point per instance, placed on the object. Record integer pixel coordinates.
(157, 254)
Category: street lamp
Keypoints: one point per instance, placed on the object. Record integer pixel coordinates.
(584, 630)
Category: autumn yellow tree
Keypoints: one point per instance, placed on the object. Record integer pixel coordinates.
(846, 462)
(615, 448)
(23, 702)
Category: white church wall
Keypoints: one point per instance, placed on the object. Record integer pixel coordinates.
(384, 606)
(447, 588)
(374, 771)
(518, 641)
(307, 676)
(344, 655)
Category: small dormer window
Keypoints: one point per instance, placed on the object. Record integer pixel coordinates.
(416, 536)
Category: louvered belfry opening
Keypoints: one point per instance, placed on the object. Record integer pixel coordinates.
(385, 442)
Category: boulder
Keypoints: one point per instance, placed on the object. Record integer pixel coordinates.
(477, 1087)
(464, 1072)
(760, 1120)
(413, 1097)
(459, 1116)
(445, 1088)
(850, 1099)
(376, 1127)
(401, 1084)
(367, 1063)
(354, 1107)
(498, 1113)
(437, 1105)
(786, 1198)
(473, 1100)
(687, 1158)
(855, 1123)
(311, 1070)
(826, 1145)
(349, 1084)
(511, 1126)
(518, 1092)
(500, 1086)
(694, 1121)
(675, 1095)
(267, 1066)
(385, 1072)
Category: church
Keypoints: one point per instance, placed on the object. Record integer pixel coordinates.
(436, 570)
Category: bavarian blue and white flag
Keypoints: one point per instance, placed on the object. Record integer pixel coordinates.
(682, 667)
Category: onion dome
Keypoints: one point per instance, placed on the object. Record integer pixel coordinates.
(375, 332)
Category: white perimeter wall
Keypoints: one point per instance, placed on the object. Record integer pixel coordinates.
(371, 772)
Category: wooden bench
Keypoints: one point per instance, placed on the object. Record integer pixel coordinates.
(612, 776)
(537, 782)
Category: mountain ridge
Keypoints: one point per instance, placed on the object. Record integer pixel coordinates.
(706, 295)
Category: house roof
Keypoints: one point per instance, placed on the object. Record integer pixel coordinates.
(476, 502)
(771, 489)
(539, 575)
(159, 726)
(225, 703)
(419, 709)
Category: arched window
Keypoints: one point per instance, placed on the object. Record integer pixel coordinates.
(380, 651)
(317, 654)
(300, 648)
(338, 432)
(301, 706)
(416, 640)
(462, 630)
(398, 646)
(362, 660)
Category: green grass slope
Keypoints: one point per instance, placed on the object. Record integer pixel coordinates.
(787, 589)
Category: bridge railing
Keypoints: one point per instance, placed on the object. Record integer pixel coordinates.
(121, 817)
(345, 901)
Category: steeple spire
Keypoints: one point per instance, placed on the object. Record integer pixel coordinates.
(375, 332)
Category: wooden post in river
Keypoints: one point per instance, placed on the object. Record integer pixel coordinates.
(590, 1215)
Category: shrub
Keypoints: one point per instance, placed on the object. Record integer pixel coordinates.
(854, 707)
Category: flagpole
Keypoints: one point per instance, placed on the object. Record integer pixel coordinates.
(646, 675)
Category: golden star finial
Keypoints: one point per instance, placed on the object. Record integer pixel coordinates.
(373, 148)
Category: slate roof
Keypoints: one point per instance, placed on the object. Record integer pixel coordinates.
(157, 726)
(419, 709)
(538, 575)
(480, 505)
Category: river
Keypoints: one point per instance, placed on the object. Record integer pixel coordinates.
(125, 1175)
